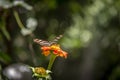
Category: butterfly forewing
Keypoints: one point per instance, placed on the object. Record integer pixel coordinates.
(57, 38)
(41, 42)
(47, 43)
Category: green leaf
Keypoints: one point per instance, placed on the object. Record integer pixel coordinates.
(4, 58)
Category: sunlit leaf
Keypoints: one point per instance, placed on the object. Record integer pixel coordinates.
(23, 4)
(5, 4)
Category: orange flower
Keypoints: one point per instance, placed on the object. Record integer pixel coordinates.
(55, 49)
(63, 54)
(46, 48)
(60, 53)
(46, 53)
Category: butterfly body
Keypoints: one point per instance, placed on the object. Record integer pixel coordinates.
(47, 43)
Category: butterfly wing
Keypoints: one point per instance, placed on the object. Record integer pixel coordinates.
(57, 38)
(47, 43)
(42, 42)
(54, 41)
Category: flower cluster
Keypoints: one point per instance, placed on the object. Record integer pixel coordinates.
(55, 49)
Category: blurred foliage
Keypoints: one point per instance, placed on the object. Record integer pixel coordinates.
(91, 35)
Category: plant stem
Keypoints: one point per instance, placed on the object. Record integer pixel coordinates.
(52, 59)
(4, 30)
(18, 19)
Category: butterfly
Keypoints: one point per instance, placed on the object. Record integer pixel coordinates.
(47, 43)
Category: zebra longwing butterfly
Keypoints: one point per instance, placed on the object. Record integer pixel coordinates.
(47, 43)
